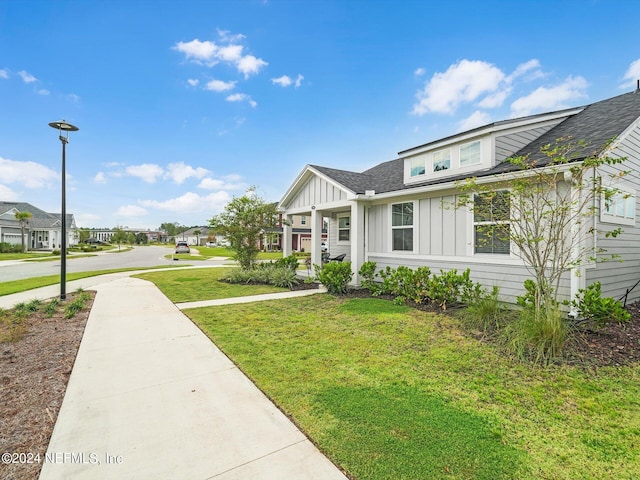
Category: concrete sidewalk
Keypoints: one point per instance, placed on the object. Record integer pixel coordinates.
(151, 397)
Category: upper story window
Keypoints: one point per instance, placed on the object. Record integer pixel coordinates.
(417, 166)
(442, 160)
(619, 207)
(470, 153)
(303, 220)
(491, 222)
(344, 229)
(402, 226)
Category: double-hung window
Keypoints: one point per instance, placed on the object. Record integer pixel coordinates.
(491, 217)
(402, 226)
(344, 229)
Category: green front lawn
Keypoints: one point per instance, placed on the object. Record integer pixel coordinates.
(388, 392)
(202, 284)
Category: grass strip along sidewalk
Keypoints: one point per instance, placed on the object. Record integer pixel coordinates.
(388, 392)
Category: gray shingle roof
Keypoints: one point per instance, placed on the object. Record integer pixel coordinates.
(40, 218)
(596, 124)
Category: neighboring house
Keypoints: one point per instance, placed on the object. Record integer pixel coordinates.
(393, 213)
(43, 232)
(191, 238)
(300, 235)
(106, 234)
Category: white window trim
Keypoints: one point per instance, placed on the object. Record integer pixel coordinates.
(472, 232)
(433, 160)
(338, 241)
(607, 217)
(479, 162)
(413, 226)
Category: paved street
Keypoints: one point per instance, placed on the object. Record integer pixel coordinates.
(138, 257)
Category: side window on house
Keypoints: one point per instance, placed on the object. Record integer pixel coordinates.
(417, 166)
(491, 217)
(402, 226)
(441, 160)
(303, 220)
(470, 153)
(344, 229)
(619, 207)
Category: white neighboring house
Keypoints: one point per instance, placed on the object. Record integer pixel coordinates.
(191, 238)
(392, 213)
(43, 230)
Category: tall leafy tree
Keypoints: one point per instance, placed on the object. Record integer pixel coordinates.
(119, 236)
(243, 222)
(23, 220)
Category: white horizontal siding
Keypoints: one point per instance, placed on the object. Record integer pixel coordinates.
(508, 145)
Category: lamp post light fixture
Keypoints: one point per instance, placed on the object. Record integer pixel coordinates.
(63, 126)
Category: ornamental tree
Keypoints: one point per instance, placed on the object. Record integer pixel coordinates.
(243, 223)
(544, 212)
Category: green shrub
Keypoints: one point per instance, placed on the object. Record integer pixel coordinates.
(284, 277)
(55, 252)
(335, 276)
(592, 307)
(51, 307)
(290, 262)
(6, 247)
(485, 311)
(368, 274)
(541, 336)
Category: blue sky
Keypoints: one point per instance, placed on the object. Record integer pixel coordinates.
(182, 105)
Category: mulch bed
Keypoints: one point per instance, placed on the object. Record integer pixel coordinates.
(34, 372)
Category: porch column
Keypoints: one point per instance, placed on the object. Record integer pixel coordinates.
(316, 236)
(287, 235)
(357, 240)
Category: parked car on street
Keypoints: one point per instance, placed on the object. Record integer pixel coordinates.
(182, 247)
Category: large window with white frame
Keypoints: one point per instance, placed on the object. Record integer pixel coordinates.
(619, 206)
(344, 228)
(491, 222)
(402, 226)
(470, 153)
(442, 160)
(417, 166)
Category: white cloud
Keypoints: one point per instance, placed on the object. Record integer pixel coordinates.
(198, 51)
(179, 172)
(525, 67)
(43, 91)
(100, 178)
(230, 52)
(464, 81)
(283, 81)
(27, 77)
(249, 65)
(242, 97)
(548, 99)
(28, 174)
(231, 182)
(4, 73)
(220, 86)
(476, 119)
(299, 79)
(148, 172)
(191, 202)
(418, 72)
(129, 211)
(193, 82)
(495, 99)
(632, 75)
(73, 97)
(7, 194)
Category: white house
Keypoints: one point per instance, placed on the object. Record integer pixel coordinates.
(43, 230)
(393, 213)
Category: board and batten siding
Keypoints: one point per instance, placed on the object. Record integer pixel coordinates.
(618, 276)
(508, 145)
(443, 232)
(315, 192)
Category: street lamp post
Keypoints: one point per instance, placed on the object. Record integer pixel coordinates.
(63, 126)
